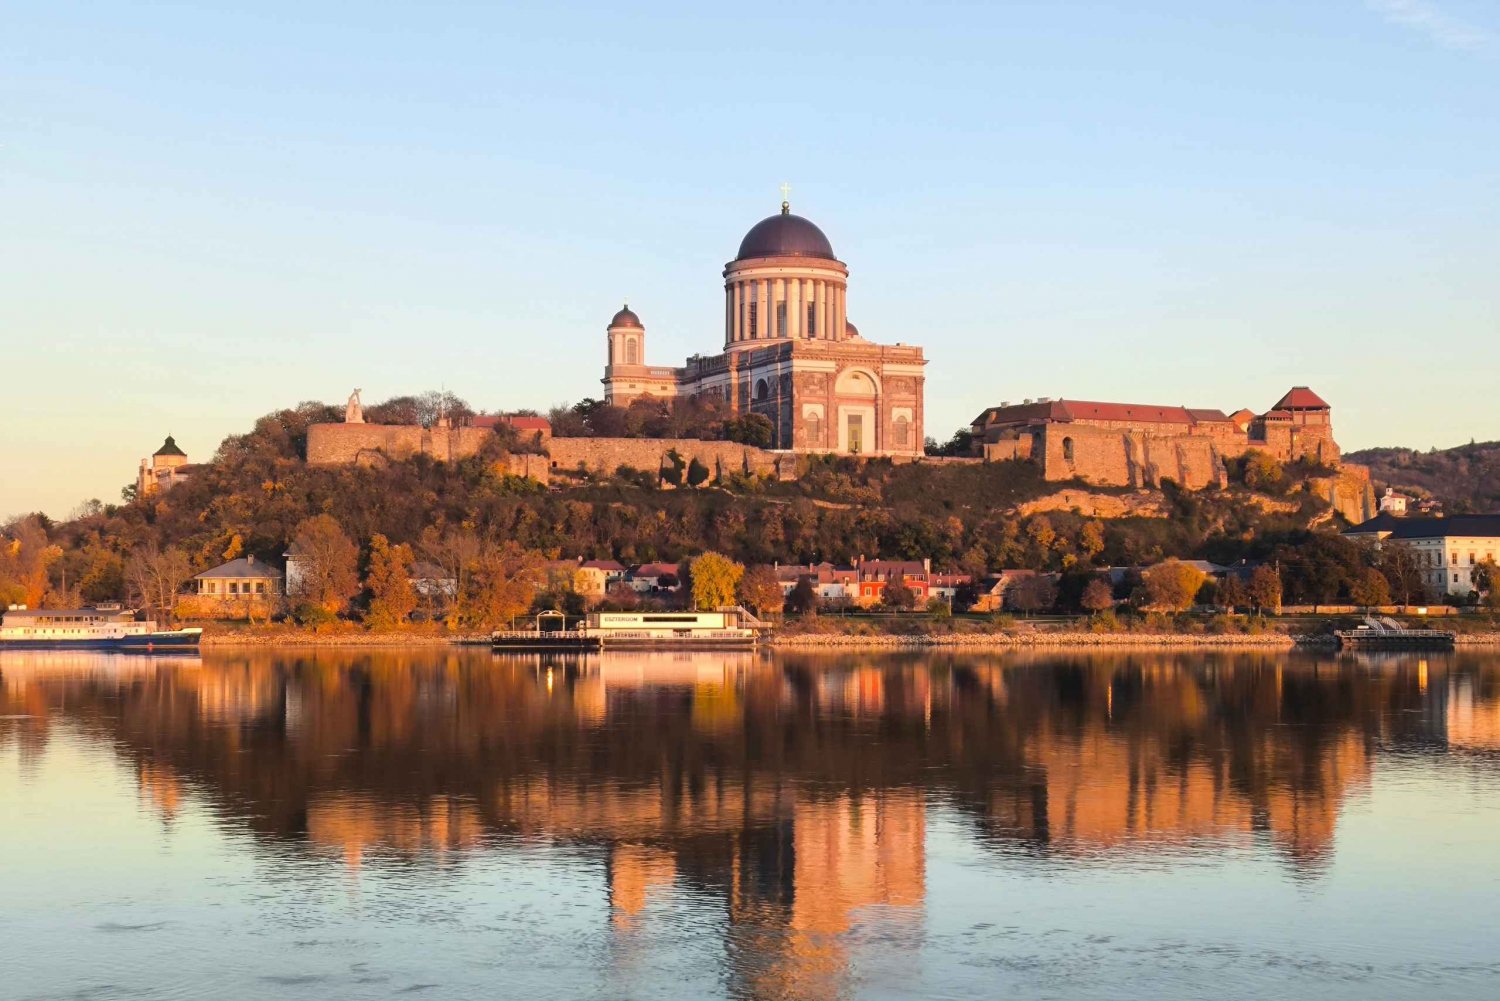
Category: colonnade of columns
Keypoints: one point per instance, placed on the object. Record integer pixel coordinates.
(783, 308)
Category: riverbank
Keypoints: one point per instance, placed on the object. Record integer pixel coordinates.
(1029, 640)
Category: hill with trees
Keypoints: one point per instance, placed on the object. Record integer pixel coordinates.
(1466, 478)
(257, 491)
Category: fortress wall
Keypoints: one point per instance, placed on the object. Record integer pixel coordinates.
(343, 444)
(605, 455)
(1109, 457)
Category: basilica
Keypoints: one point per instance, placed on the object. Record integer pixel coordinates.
(790, 353)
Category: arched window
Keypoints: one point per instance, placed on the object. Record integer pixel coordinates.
(814, 429)
(1067, 449)
(632, 351)
(762, 390)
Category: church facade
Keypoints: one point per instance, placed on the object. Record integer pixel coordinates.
(790, 353)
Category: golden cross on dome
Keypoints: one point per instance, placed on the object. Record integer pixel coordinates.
(786, 194)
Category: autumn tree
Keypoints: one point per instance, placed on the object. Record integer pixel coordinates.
(715, 578)
(898, 597)
(155, 576)
(1263, 472)
(26, 555)
(327, 563)
(1370, 588)
(392, 597)
(456, 552)
(500, 584)
(1172, 586)
(1232, 593)
(1265, 589)
(760, 590)
(1090, 541)
(1097, 596)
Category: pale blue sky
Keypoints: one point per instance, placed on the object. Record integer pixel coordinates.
(210, 214)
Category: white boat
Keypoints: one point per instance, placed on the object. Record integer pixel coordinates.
(104, 627)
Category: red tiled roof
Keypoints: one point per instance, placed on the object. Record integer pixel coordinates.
(1301, 398)
(1063, 411)
(519, 422)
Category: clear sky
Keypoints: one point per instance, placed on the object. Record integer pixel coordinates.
(207, 214)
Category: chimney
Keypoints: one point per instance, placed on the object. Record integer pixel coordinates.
(927, 564)
(250, 559)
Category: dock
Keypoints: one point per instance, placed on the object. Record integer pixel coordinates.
(1385, 633)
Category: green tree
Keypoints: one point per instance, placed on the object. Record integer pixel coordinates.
(1370, 588)
(328, 563)
(1486, 577)
(392, 597)
(697, 473)
(804, 598)
(715, 578)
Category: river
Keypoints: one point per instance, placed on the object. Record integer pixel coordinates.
(363, 824)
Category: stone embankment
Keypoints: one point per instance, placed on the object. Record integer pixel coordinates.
(982, 641)
(293, 637)
(1477, 639)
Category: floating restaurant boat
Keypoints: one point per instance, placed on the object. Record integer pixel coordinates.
(729, 628)
(100, 628)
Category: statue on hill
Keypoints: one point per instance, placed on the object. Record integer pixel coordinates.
(354, 411)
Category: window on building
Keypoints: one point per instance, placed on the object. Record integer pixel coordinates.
(1067, 449)
(1454, 559)
(812, 319)
(781, 319)
(814, 429)
(762, 390)
(234, 587)
(632, 351)
(901, 431)
(754, 316)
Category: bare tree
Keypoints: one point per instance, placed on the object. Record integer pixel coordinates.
(155, 576)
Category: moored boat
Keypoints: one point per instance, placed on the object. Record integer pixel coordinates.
(99, 628)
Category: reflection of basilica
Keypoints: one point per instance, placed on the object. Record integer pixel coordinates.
(792, 797)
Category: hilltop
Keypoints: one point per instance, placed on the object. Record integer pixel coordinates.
(1465, 478)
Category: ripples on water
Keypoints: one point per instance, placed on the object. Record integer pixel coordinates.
(363, 825)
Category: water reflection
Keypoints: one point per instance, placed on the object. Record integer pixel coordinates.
(791, 796)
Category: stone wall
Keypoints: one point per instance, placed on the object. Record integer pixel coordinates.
(1115, 458)
(346, 444)
(605, 455)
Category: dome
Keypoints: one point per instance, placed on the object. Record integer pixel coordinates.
(850, 331)
(626, 318)
(785, 235)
